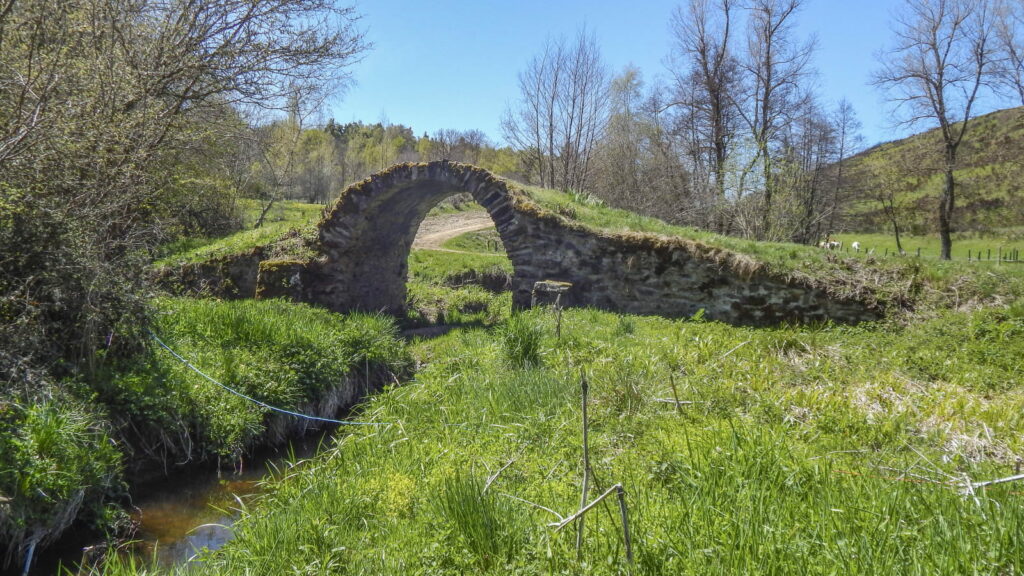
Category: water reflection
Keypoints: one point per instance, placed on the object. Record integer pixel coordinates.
(183, 515)
(198, 514)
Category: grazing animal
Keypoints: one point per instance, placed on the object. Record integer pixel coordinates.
(856, 246)
(829, 245)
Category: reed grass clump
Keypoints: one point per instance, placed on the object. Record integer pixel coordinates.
(521, 338)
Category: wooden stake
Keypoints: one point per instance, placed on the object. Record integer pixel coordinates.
(625, 524)
(582, 511)
(494, 476)
(558, 323)
(586, 468)
(1015, 478)
(581, 514)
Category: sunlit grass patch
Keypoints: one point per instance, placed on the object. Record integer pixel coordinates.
(282, 354)
(283, 217)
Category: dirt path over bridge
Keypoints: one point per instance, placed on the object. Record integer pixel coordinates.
(436, 230)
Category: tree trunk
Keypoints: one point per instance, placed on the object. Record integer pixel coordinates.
(839, 186)
(720, 159)
(946, 205)
(766, 218)
(263, 213)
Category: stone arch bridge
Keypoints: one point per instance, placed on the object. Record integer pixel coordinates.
(363, 246)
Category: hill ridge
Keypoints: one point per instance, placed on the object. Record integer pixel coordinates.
(990, 179)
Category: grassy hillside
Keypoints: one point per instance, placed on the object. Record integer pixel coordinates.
(990, 181)
(283, 217)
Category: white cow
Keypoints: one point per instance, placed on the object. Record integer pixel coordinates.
(856, 246)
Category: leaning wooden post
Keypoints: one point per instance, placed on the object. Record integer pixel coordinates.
(551, 287)
(625, 524)
(586, 468)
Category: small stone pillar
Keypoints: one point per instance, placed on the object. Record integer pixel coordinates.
(548, 292)
(280, 279)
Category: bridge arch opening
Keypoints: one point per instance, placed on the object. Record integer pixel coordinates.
(366, 238)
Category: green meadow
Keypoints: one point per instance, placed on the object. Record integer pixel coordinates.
(792, 450)
(812, 450)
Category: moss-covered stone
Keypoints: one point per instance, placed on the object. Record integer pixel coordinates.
(281, 279)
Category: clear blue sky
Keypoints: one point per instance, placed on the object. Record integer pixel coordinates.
(454, 63)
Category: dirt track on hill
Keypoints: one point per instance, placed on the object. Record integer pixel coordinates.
(436, 230)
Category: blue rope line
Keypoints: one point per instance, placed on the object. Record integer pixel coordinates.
(253, 400)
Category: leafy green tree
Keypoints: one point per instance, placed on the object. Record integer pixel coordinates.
(116, 121)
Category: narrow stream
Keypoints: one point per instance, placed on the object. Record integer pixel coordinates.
(184, 514)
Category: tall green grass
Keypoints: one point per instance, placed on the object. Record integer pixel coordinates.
(279, 353)
(58, 462)
(810, 450)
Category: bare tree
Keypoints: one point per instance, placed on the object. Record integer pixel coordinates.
(777, 67)
(1009, 30)
(809, 146)
(707, 75)
(942, 59)
(892, 181)
(634, 167)
(531, 127)
(277, 144)
(584, 106)
(562, 112)
(848, 141)
(455, 145)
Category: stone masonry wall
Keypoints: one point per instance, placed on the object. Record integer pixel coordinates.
(365, 243)
(649, 274)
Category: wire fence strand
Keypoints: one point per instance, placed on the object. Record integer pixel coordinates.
(192, 367)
